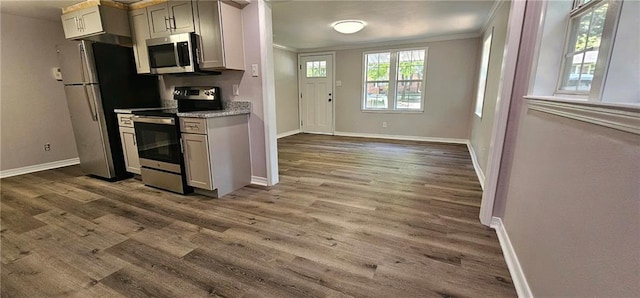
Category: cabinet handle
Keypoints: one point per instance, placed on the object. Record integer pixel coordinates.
(167, 25)
(82, 27)
(173, 21)
(182, 146)
(77, 23)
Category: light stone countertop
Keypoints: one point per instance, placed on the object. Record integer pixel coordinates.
(230, 109)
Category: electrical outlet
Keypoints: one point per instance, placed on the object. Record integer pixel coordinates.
(47, 147)
(384, 124)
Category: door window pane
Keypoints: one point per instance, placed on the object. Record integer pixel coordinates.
(316, 69)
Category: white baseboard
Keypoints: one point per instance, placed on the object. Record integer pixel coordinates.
(517, 275)
(261, 181)
(40, 167)
(288, 133)
(400, 137)
(476, 165)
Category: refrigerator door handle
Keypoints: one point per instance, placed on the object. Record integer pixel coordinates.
(91, 103)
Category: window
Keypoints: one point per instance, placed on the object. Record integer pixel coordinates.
(394, 80)
(589, 36)
(316, 69)
(484, 70)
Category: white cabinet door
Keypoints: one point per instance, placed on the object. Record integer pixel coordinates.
(158, 20)
(140, 30)
(130, 149)
(196, 159)
(181, 16)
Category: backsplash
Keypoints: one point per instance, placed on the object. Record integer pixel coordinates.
(225, 81)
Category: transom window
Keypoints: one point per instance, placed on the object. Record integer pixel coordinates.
(394, 80)
(589, 36)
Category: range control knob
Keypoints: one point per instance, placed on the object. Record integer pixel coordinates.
(207, 92)
(176, 92)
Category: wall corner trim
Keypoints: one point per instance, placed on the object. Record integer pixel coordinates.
(40, 167)
(400, 137)
(261, 181)
(288, 133)
(517, 275)
(476, 164)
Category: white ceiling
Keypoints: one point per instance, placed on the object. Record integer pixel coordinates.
(307, 24)
(304, 25)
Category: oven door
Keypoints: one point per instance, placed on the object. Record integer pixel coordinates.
(158, 143)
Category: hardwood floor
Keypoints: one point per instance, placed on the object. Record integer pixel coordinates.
(350, 217)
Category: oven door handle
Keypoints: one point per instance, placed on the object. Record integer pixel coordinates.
(154, 120)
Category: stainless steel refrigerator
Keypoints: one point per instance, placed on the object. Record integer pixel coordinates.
(99, 78)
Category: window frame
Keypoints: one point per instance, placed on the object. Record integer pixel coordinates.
(481, 97)
(579, 8)
(393, 82)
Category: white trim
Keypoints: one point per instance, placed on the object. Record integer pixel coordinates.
(40, 167)
(507, 87)
(288, 133)
(286, 48)
(624, 119)
(268, 92)
(394, 43)
(515, 269)
(261, 181)
(400, 137)
(476, 164)
(491, 15)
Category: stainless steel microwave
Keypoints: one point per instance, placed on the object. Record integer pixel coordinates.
(173, 54)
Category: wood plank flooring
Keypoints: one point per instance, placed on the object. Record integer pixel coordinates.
(350, 218)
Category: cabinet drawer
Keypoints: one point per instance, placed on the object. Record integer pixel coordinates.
(125, 120)
(193, 125)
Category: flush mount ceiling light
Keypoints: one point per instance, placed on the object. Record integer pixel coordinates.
(348, 26)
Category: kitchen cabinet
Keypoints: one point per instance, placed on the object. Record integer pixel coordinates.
(219, 25)
(216, 153)
(170, 18)
(129, 145)
(95, 20)
(139, 34)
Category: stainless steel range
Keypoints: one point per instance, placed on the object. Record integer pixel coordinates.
(158, 138)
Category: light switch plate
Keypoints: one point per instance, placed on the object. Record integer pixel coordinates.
(236, 90)
(57, 73)
(254, 70)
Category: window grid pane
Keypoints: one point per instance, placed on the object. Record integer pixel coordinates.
(394, 80)
(316, 69)
(410, 73)
(585, 38)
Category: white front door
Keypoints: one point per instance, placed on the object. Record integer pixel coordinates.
(316, 94)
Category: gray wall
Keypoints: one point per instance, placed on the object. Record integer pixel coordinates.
(451, 74)
(573, 207)
(286, 79)
(33, 104)
(482, 128)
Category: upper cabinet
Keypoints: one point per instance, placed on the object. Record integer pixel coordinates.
(219, 25)
(139, 34)
(95, 20)
(170, 18)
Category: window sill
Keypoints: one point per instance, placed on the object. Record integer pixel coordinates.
(617, 116)
(393, 111)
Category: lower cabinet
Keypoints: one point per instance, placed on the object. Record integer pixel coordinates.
(197, 161)
(216, 153)
(129, 145)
